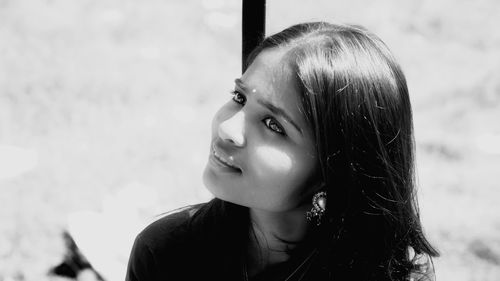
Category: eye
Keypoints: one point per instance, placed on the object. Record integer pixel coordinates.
(238, 97)
(274, 126)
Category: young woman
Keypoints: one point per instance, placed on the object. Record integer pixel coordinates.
(312, 166)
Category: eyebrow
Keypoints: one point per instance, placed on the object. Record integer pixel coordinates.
(271, 107)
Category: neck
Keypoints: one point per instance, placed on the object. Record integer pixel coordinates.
(275, 234)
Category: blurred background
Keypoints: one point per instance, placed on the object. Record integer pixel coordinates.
(105, 111)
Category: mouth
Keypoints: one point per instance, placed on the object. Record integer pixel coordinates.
(220, 160)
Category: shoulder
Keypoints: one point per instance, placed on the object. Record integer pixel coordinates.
(161, 247)
(171, 229)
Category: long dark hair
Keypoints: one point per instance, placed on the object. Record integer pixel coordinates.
(355, 98)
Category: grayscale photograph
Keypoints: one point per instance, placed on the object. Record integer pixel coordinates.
(249, 140)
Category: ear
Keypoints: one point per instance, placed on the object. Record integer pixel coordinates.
(315, 188)
(319, 186)
(308, 192)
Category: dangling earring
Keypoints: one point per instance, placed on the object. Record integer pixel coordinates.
(318, 209)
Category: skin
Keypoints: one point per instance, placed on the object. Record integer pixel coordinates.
(276, 162)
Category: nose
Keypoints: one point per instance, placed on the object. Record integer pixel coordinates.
(233, 128)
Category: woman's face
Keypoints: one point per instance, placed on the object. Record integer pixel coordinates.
(262, 152)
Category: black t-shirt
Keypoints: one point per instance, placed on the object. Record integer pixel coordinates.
(178, 247)
(168, 249)
(164, 250)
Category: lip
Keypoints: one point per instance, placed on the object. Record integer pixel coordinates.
(223, 161)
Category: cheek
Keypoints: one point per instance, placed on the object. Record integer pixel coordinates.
(274, 160)
(280, 177)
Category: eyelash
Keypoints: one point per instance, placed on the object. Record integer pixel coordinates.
(270, 123)
(235, 94)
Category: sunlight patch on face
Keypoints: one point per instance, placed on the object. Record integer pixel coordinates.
(274, 158)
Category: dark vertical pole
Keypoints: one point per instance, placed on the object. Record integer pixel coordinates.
(253, 26)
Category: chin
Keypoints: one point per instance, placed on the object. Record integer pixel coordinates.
(210, 183)
(207, 179)
(218, 190)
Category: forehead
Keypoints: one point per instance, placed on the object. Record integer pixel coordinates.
(272, 79)
(271, 75)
